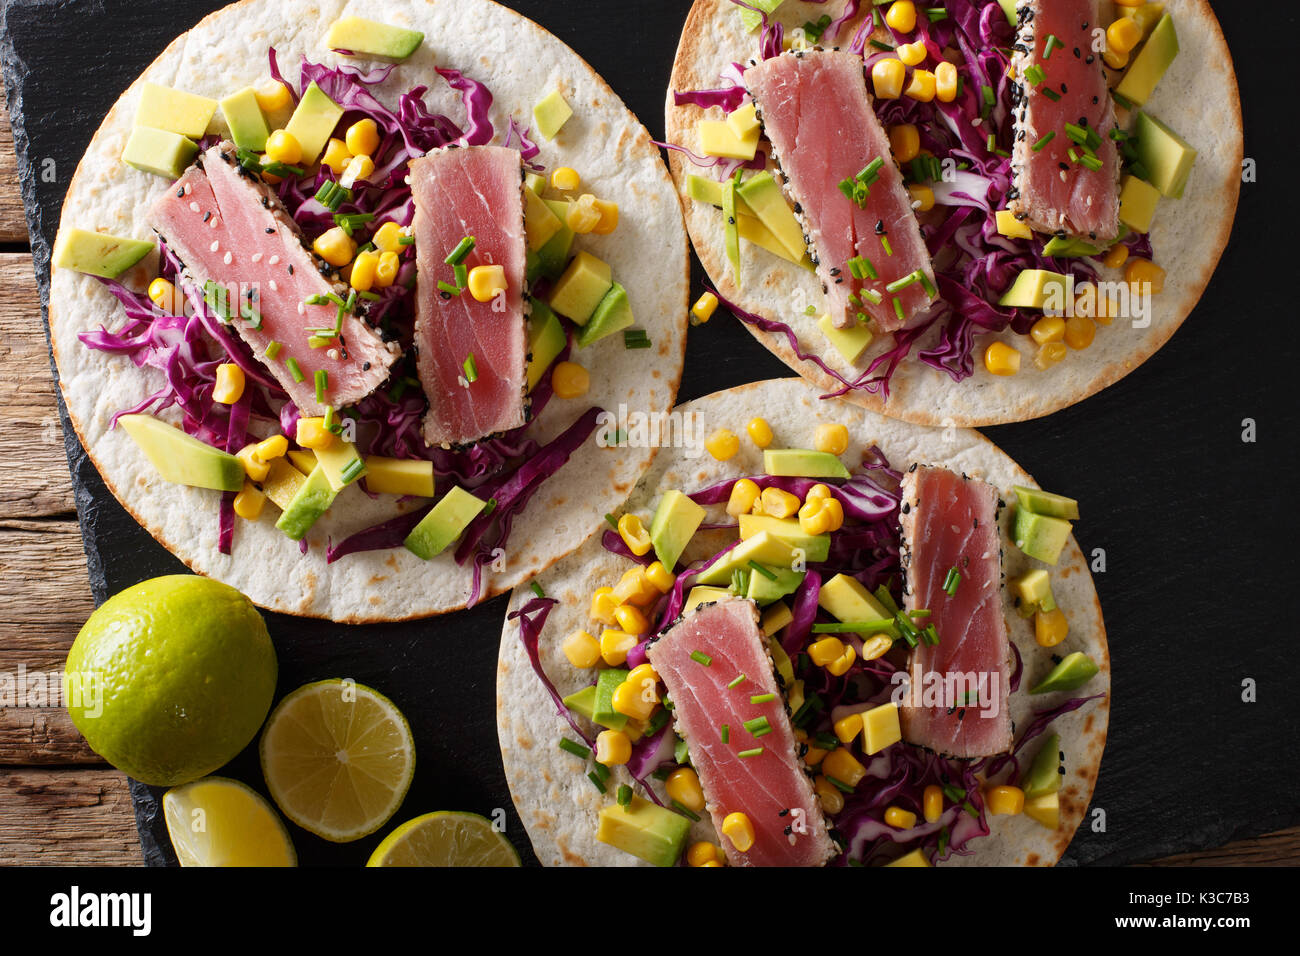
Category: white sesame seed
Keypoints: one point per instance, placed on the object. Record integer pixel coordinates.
(271, 283)
(273, 260)
(216, 244)
(227, 258)
(257, 257)
(213, 222)
(194, 207)
(188, 189)
(333, 354)
(302, 309)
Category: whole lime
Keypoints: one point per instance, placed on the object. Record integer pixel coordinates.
(170, 679)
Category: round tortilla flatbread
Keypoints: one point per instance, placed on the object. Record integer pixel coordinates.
(1188, 235)
(520, 63)
(559, 805)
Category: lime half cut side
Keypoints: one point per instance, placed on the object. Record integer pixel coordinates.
(445, 838)
(221, 822)
(338, 758)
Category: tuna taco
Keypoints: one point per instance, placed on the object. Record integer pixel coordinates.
(340, 292)
(841, 639)
(964, 213)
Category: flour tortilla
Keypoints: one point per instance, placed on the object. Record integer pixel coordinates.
(520, 62)
(559, 805)
(1197, 97)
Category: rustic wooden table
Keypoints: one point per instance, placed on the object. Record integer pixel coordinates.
(59, 803)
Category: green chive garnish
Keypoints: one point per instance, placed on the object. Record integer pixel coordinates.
(1053, 41)
(1047, 138)
(930, 289)
(272, 349)
(624, 795)
(611, 521)
(1091, 162)
(880, 45)
(884, 241)
(537, 589)
(758, 726)
(910, 279)
(320, 341)
(575, 748)
(636, 339)
(353, 469)
(898, 310)
(952, 582)
(471, 370)
(686, 811)
(1035, 75)
(457, 256)
(839, 783)
(597, 782)
(988, 94)
(750, 753)
(294, 369)
(737, 681)
(759, 569)
(406, 240)
(448, 288)
(725, 733)
(328, 421)
(762, 698)
(462, 274)
(1051, 94)
(322, 385)
(871, 295)
(701, 658)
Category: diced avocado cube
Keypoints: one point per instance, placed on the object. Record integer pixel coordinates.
(850, 342)
(762, 194)
(399, 476)
(1044, 809)
(744, 121)
(701, 594)
(282, 482)
(540, 223)
(602, 710)
(775, 617)
(583, 702)
(182, 459)
(159, 151)
(704, 190)
(613, 314)
(816, 547)
(751, 19)
(764, 547)
(580, 289)
(731, 228)
(764, 590)
(546, 340)
(551, 113)
(1034, 588)
(311, 501)
(1150, 63)
(802, 463)
(304, 459)
(676, 520)
(1147, 16)
(536, 182)
(551, 259)
(1039, 289)
(175, 111)
(646, 831)
(752, 230)
(1137, 203)
(1045, 503)
(718, 139)
(313, 122)
(1073, 672)
(1009, 8)
(444, 523)
(846, 599)
(244, 117)
(1039, 536)
(342, 463)
(880, 728)
(98, 253)
(1044, 774)
(681, 752)
(1061, 248)
(1168, 157)
(368, 38)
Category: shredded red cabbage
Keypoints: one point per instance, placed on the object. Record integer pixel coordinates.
(532, 618)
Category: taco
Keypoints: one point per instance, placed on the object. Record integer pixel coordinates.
(340, 292)
(853, 641)
(966, 213)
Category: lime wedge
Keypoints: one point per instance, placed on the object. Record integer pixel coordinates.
(338, 758)
(445, 838)
(221, 822)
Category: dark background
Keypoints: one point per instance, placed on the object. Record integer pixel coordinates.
(1199, 528)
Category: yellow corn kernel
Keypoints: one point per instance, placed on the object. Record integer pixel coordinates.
(876, 646)
(1139, 271)
(283, 147)
(905, 141)
(1123, 35)
(814, 756)
(843, 766)
(662, 579)
(268, 449)
(614, 646)
(932, 803)
(1079, 332)
(336, 156)
(737, 828)
(630, 619)
(900, 819)
(887, 78)
(386, 270)
(570, 380)
(840, 666)
(945, 82)
(603, 606)
(613, 748)
(821, 516)
(760, 432)
(846, 728)
(911, 54)
(272, 95)
(312, 433)
(362, 137)
(902, 16)
(163, 294)
(1106, 309)
(364, 270)
(1002, 359)
(583, 216)
(230, 384)
(1050, 627)
(335, 246)
(832, 439)
(565, 179)
(582, 650)
(1050, 328)
(831, 796)
(630, 698)
(922, 197)
(704, 853)
(1011, 227)
(743, 495)
(634, 588)
(608, 221)
(1114, 58)
(779, 503)
(712, 863)
(683, 785)
(1115, 256)
(818, 491)
(249, 502)
(722, 444)
(923, 87)
(642, 673)
(358, 169)
(486, 281)
(826, 651)
(388, 237)
(634, 534)
(704, 307)
(254, 467)
(1050, 354)
(1005, 800)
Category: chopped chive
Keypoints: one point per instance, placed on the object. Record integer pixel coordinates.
(826, 741)
(575, 748)
(759, 569)
(886, 599)
(1118, 135)
(1046, 138)
(879, 45)
(406, 240)
(754, 752)
(952, 582)
(320, 341)
(461, 272)
(471, 369)
(656, 722)
(1091, 162)
(846, 187)
(1035, 75)
(871, 295)
(762, 698)
(898, 310)
(991, 143)
(862, 268)
(686, 811)
(597, 782)
(758, 726)
(449, 289)
(988, 95)
(322, 385)
(725, 733)
(352, 470)
(930, 289)
(840, 784)
(353, 219)
(1053, 41)
(910, 279)
(1076, 133)
(954, 793)
(610, 520)
(1051, 94)
(884, 241)
(1073, 154)
(463, 248)
(943, 840)
(737, 681)
(871, 170)
(970, 809)
(701, 658)
(624, 795)
(931, 636)
(602, 772)
(294, 369)
(328, 420)
(537, 589)
(371, 296)
(272, 349)
(936, 14)
(490, 507)
(636, 339)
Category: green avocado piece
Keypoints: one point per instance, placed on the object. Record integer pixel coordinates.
(310, 502)
(1060, 248)
(1039, 536)
(1150, 63)
(98, 253)
(802, 463)
(751, 18)
(731, 228)
(675, 522)
(368, 38)
(342, 463)
(1009, 8)
(1168, 157)
(764, 547)
(182, 459)
(1039, 289)
(313, 122)
(602, 710)
(244, 117)
(1137, 203)
(1045, 503)
(1044, 774)
(580, 289)
(159, 151)
(816, 547)
(1034, 588)
(681, 751)
(850, 342)
(444, 524)
(546, 340)
(536, 182)
(1073, 672)
(613, 314)
(551, 258)
(583, 702)
(781, 661)
(551, 113)
(540, 221)
(186, 114)
(762, 194)
(764, 591)
(704, 595)
(646, 831)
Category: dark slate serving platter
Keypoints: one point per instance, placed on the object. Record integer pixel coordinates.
(1199, 527)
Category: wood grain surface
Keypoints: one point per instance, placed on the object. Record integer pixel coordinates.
(59, 804)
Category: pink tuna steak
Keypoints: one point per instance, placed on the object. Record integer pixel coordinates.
(228, 228)
(472, 191)
(817, 114)
(770, 787)
(957, 698)
(1056, 194)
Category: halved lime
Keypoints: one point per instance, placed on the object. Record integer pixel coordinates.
(338, 758)
(217, 821)
(445, 838)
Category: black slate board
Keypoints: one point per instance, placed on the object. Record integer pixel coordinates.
(1199, 527)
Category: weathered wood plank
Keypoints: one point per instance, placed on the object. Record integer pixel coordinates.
(1273, 849)
(67, 817)
(45, 592)
(13, 225)
(35, 729)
